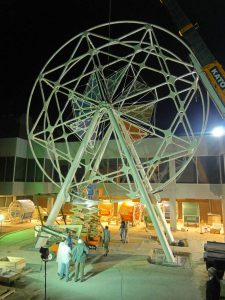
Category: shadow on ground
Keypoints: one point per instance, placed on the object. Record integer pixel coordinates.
(102, 263)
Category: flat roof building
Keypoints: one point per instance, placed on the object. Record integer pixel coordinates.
(193, 197)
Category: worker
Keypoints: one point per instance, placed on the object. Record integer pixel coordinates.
(59, 254)
(213, 285)
(126, 232)
(65, 261)
(69, 240)
(106, 240)
(122, 231)
(79, 255)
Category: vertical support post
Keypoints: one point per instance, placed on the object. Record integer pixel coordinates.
(222, 196)
(173, 207)
(164, 223)
(223, 213)
(64, 188)
(50, 202)
(142, 189)
(45, 281)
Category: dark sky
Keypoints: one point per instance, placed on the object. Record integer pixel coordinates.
(31, 31)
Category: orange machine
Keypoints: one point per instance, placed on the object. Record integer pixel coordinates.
(131, 211)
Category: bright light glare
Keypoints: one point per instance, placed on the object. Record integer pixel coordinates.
(218, 131)
(1, 218)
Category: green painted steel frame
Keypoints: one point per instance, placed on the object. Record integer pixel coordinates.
(145, 197)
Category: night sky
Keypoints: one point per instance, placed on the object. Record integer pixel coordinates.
(31, 31)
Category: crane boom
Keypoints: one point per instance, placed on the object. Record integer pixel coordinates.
(211, 71)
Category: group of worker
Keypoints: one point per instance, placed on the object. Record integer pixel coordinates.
(67, 253)
(77, 254)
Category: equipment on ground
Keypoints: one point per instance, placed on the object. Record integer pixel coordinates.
(214, 256)
(21, 210)
(55, 233)
(11, 269)
(131, 212)
(6, 291)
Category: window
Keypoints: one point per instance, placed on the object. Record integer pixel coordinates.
(48, 169)
(153, 172)
(9, 169)
(30, 170)
(112, 165)
(222, 170)
(64, 167)
(189, 175)
(39, 173)
(3, 168)
(208, 168)
(56, 175)
(20, 170)
(121, 177)
(80, 171)
(164, 172)
(103, 166)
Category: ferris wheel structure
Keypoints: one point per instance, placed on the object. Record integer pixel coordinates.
(133, 88)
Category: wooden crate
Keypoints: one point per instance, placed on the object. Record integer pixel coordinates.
(215, 230)
(5, 292)
(214, 218)
(12, 263)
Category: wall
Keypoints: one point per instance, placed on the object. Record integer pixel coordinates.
(20, 147)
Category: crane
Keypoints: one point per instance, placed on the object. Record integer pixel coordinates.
(208, 68)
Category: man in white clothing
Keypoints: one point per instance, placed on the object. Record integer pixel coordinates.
(59, 254)
(65, 261)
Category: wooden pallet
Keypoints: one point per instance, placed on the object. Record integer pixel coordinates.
(5, 291)
(12, 276)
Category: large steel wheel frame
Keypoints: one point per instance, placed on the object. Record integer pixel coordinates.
(96, 89)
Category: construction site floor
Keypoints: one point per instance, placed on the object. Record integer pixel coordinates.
(125, 274)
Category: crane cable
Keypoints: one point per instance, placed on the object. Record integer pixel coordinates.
(109, 32)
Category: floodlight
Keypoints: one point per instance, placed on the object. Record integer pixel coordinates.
(218, 131)
(44, 252)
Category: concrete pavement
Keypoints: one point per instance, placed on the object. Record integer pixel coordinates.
(125, 274)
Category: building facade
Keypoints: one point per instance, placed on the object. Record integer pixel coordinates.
(194, 196)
